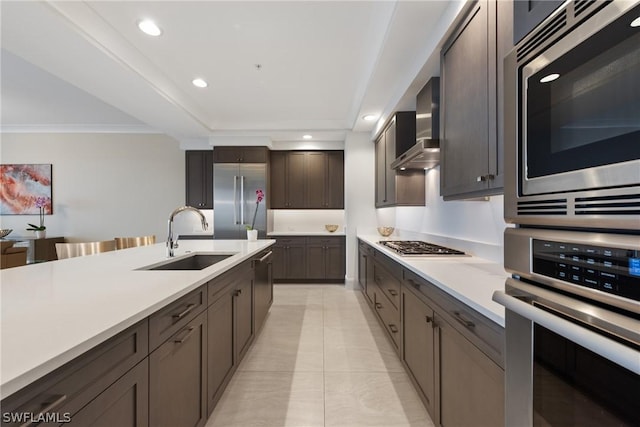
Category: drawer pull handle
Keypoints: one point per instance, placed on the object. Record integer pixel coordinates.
(466, 322)
(378, 305)
(393, 328)
(266, 256)
(237, 292)
(429, 319)
(57, 400)
(392, 292)
(377, 279)
(413, 283)
(184, 313)
(186, 336)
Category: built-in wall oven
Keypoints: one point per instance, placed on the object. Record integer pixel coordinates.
(572, 119)
(572, 189)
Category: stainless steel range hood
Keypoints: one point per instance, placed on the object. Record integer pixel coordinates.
(425, 154)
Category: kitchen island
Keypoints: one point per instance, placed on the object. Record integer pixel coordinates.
(54, 312)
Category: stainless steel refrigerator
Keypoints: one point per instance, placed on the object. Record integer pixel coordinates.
(234, 199)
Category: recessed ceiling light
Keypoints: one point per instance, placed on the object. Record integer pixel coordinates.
(636, 22)
(370, 117)
(199, 83)
(149, 27)
(307, 136)
(549, 78)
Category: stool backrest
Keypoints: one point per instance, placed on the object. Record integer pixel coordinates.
(132, 242)
(71, 250)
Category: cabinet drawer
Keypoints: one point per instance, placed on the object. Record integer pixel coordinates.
(72, 386)
(168, 320)
(234, 277)
(387, 283)
(392, 266)
(324, 241)
(390, 317)
(482, 332)
(290, 241)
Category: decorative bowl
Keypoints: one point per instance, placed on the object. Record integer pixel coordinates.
(331, 227)
(5, 232)
(386, 231)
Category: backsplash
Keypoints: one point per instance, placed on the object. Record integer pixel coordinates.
(304, 220)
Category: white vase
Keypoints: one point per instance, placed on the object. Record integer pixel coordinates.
(252, 235)
(41, 234)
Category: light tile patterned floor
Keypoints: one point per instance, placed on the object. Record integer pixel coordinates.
(320, 360)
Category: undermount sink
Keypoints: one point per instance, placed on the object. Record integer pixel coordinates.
(193, 262)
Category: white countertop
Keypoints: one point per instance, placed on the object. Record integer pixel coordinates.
(53, 312)
(305, 233)
(469, 279)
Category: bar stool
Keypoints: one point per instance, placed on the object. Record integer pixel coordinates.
(132, 242)
(71, 250)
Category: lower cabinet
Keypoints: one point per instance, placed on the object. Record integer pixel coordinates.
(262, 287)
(170, 369)
(453, 355)
(177, 380)
(419, 347)
(309, 259)
(471, 384)
(124, 404)
(230, 327)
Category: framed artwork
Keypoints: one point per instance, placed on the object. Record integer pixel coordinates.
(24, 188)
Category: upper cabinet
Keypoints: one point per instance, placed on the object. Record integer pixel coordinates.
(240, 154)
(527, 14)
(307, 180)
(471, 96)
(199, 178)
(397, 187)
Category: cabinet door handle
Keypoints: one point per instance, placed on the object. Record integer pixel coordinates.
(466, 322)
(376, 279)
(378, 305)
(186, 335)
(413, 283)
(429, 319)
(392, 292)
(52, 403)
(393, 328)
(184, 313)
(237, 292)
(487, 177)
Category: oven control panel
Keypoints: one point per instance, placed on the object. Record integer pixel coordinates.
(612, 270)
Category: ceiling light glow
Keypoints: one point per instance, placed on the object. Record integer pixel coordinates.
(370, 117)
(549, 78)
(199, 83)
(636, 22)
(307, 136)
(149, 27)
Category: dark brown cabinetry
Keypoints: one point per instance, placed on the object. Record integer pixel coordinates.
(419, 346)
(453, 355)
(240, 154)
(468, 379)
(177, 377)
(82, 383)
(289, 258)
(230, 327)
(307, 180)
(199, 179)
(325, 258)
(309, 259)
(471, 101)
(397, 187)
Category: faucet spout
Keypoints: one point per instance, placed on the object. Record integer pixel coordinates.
(171, 243)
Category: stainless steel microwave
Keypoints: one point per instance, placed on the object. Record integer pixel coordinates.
(572, 119)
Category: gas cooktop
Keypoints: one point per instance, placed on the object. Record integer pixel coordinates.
(418, 248)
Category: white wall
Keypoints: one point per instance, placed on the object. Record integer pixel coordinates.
(104, 185)
(359, 180)
(474, 220)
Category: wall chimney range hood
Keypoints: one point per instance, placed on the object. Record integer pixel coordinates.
(425, 154)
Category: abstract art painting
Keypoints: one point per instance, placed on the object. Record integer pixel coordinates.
(20, 187)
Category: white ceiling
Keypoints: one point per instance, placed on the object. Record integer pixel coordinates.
(84, 66)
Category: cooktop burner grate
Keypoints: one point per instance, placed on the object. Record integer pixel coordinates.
(418, 248)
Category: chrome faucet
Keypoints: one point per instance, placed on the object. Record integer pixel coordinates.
(171, 244)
